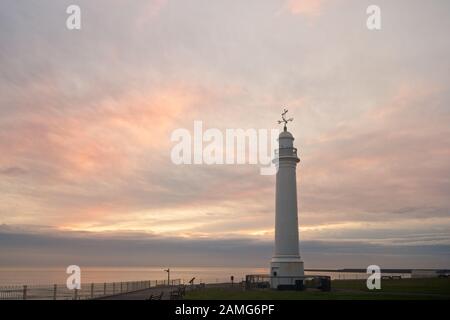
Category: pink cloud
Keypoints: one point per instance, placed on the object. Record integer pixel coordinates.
(151, 10)
(309, 8)
(90, 142)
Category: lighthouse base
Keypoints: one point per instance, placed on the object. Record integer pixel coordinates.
(286, 271)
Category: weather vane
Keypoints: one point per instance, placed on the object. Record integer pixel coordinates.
(284, 120)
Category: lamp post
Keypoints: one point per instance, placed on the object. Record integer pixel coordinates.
(168, 276)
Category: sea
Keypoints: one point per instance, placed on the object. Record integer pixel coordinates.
(10, 276)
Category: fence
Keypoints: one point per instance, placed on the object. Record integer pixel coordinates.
(87, 290)
(258, 281)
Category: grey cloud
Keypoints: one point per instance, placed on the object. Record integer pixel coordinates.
(13, 171)
(25, 249)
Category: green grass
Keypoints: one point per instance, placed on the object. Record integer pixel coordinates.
(403, 286)
(405, 289)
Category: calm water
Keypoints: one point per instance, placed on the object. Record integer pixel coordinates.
(44, 276)
(29, 276)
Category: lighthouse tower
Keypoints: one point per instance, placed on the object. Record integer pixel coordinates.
(286, 265)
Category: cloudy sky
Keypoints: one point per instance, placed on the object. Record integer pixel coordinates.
(86, 119)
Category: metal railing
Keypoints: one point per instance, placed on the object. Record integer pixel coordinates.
(286, 152)
(87, 290)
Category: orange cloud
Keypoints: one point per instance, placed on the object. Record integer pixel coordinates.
(407, 94)
(305, 7)
(108, 135)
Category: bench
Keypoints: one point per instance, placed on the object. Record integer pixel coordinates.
(156, 296)
(178, 294)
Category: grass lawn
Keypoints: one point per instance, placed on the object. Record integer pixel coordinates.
(405, 289)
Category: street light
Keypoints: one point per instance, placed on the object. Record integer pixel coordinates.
(168, 276)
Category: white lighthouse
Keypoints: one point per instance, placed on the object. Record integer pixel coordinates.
(286, 265)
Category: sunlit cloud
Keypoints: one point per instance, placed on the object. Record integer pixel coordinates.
(310, 8)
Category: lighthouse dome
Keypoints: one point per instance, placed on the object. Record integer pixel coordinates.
(286, 140)
(285, 135)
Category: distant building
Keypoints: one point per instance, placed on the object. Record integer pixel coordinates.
(426, 273)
